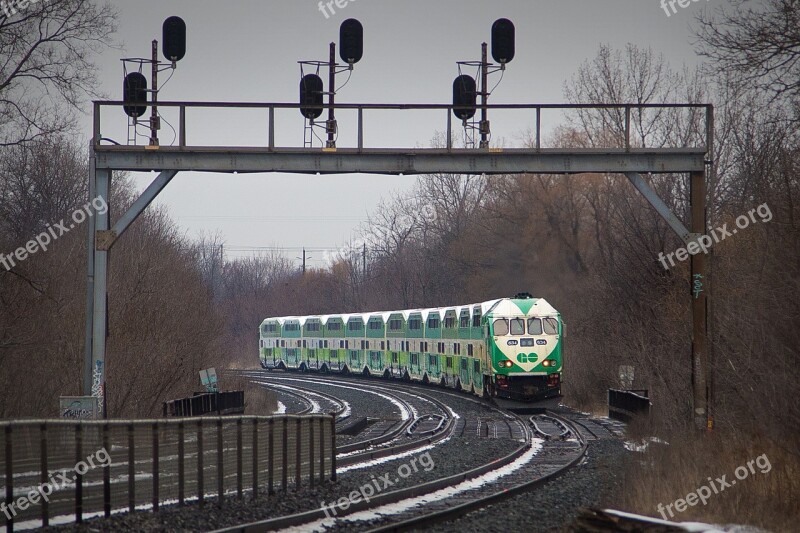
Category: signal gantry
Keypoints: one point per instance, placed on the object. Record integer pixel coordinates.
(134, 87)
(312, 91)
(466, 90)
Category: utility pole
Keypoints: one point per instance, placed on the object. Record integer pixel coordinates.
(154, 122)
(330, 126)
(304, 261)
(484, 125)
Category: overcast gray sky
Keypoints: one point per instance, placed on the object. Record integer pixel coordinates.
(247, 50)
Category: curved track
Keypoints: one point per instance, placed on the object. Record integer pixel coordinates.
(535, 460)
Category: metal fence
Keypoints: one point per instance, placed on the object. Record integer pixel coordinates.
(77, 470)
(625, 404)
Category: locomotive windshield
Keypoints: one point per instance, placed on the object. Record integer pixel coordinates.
(500, 326)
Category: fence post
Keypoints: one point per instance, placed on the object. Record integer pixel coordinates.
(311, 452)
(9, 478)
(106, 472)
(239, 488)
(271, 457)
(44, 473)
(181, 467)
(131, 468)
(299, 462)
(220, 463)
(200, 490)
(322, 450)
(285, 463)
(155, 467)
(78, 475)
(255, 457)
(333, 448)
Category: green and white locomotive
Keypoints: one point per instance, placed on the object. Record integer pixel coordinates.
(507, 348)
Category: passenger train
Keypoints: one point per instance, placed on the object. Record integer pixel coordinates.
(508, 348)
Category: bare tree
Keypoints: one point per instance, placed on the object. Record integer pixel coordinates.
(45, 64)
(760, 44)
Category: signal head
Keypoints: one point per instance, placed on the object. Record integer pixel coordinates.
(173, 39)
(134, 91)
(311, 96)
(351, 41)
(503, 41)
(465, 97)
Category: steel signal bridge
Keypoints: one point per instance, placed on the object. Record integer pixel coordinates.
(624, 157)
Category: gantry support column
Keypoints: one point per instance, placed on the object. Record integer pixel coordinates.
(98, 280)
(99, 244)
(699, 287)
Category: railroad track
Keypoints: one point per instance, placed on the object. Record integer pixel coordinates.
(393, 439)
(533, 462)
(318, 402)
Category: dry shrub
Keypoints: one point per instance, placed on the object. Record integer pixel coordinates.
(258, 400)
(666, 472)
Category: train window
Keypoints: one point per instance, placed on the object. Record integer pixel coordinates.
(433, 361)
(414, 359)
(449, 362)
(463, 364)
(457, 349)
(500, 326)
(517, 326)
(551, 326)
(534, 326)
(476, 320)
(415, 323)
(433, 323)
(450, 322)
(326, 344)
(347, 344)
(382, 345)
(470, 350)
(394, 357)
(464, 321)
(334, 326)
(476, 366)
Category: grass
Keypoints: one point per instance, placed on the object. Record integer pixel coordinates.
(767, 495)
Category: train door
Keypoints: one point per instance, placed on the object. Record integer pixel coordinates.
(464, 373)
(434, 370)
(477, 375)
(414, 363)
(375, 361)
